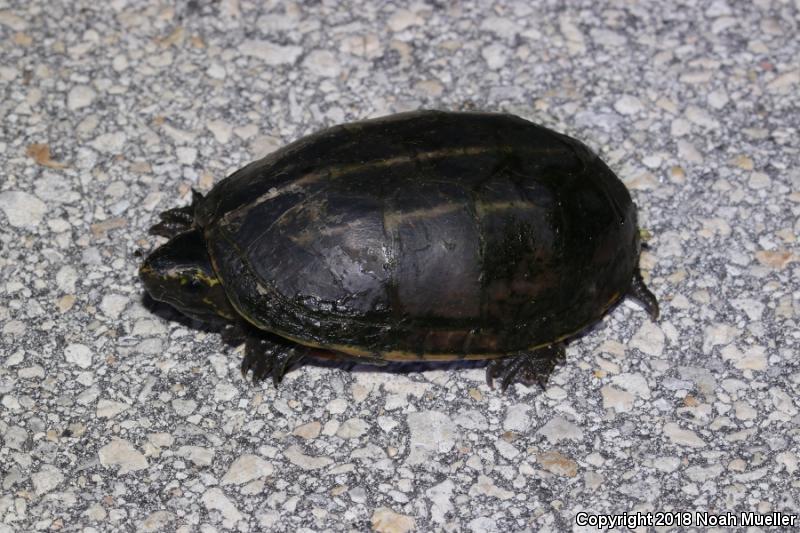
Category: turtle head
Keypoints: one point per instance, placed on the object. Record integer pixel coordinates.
(180, 273)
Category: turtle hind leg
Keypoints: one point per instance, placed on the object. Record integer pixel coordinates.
(267, 357)
(526, 368)
(642, 294)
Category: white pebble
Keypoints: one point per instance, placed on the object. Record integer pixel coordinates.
(262, 145)
(575, 41)
(652, 161)
(22, 209)
(221, 130)
(387, 423)
(619, 400)
(495, 55)
(784, 82)
(112, 305)
(198, 455)
(701, 117)
(78, 354)
(402, 19)
(322, 63)
(184, 408)
(688, 152)
(352, 428)
(110, 408)
(432, 432)
(666, 464)
(649, 339)
(628, 105)
(759, 180)
(296, 456)
(119, 63)
(80, 96)
(12, 20)
(635, 383)
(216, 71)
(225, 392)
(66, 277)
(186, 155)
(120, 452)
(485, 486)
(506, 449)
(717, 99)
(502, 27)
(718, 334)
(110, 143)
(680, 127)
(558, 428)
(517, 418)
(272, 54)
(15, 358)
(46, 479)
(788, 460)
(440, 496)
(336, 406)
(682, 437)
(247, 468)
(215, 500)
(752, 308)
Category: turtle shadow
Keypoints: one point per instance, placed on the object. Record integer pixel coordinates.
(342, 362)
(168, 313)
(332, 360)
(335, 360)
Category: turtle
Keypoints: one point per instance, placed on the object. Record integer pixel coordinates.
(419, 236)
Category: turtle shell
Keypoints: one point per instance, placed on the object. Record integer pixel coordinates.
(432, 235)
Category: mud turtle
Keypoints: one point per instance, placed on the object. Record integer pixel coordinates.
(418, 236)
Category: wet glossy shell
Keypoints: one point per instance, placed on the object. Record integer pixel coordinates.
(443, 235)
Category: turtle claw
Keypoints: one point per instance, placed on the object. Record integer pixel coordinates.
(526, 368)
(196, 198)
(265, 357)
(257, 358)
(168, 229)
(262, 369)
(280, 363)
(233, 334)
(177, 220)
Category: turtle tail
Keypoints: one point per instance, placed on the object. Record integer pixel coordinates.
(642, 294)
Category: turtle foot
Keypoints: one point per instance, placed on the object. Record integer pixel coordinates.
(234, 333)
(177, 220)
(265, 357)
(642, 294)
(526, 368)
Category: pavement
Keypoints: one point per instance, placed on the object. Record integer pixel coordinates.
(119, 417)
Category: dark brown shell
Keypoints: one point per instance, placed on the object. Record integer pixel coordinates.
(430, 233)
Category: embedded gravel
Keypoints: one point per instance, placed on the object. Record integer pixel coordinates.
(117, 416)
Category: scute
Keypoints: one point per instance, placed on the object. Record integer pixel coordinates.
(327, 249)
(428, 233)
(435, 235)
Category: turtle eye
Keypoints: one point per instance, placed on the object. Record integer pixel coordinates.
(193, 285)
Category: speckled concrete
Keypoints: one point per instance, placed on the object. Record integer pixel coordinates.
(116, 418)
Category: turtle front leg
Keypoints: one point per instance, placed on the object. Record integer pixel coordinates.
(526, 368)
(177, 220)
(265, 356)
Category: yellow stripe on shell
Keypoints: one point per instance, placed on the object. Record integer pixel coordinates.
(337, 171)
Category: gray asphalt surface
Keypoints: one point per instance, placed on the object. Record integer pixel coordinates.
(114, 417)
